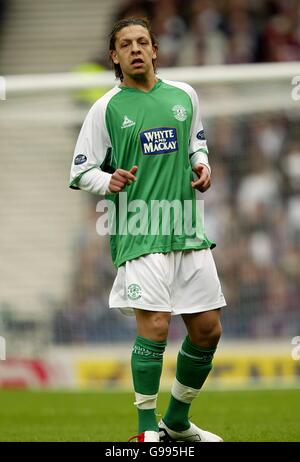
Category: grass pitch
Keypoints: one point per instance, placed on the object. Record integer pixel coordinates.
(258, 415)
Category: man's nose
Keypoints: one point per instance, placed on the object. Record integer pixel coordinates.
(135, 47)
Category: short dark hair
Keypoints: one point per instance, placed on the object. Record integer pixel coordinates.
(126, 23)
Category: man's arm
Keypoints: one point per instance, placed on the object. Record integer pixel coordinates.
(92, 147)
(198, 150)
(97, 182)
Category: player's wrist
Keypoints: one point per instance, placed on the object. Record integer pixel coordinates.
(95, 181)
(200, 158)
(207, 167)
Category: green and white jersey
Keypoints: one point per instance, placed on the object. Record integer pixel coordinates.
(161, 132)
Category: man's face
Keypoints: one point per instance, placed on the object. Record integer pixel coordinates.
(134, 51)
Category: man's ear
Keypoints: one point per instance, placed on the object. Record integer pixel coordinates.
(114, 57)
(154, 50)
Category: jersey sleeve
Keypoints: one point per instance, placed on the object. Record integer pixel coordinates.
(92, 145)
(198, 151)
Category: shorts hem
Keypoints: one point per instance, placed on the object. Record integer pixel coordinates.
(200, 309)
(141, 307)
(129, 308)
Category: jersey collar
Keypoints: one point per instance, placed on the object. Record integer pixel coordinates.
(136, 90)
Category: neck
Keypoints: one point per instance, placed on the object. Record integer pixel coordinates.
(141, 82)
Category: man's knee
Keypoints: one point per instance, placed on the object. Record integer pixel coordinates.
(207, 333)
(153, 325)
(213, 332)
(160, 325)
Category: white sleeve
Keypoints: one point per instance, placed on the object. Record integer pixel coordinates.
(95, 181)
(92, 146)
(198, 150)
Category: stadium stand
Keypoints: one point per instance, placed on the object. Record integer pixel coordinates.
(229, 32)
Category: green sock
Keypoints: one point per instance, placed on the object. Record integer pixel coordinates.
(146, 366)
(193, 366)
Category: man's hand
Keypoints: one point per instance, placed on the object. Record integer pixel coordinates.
(120, 178)
(203, 182)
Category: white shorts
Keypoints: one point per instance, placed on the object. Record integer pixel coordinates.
(178, 282)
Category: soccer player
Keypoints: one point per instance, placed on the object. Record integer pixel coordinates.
(144, 139)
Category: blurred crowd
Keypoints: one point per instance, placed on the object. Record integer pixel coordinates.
(253, 210)
(202, 32)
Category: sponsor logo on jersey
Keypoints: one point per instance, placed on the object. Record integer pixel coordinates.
(80, 159)
(134, 291)
(200, 135)
(179, 112)
(127, 122)
(159, 140)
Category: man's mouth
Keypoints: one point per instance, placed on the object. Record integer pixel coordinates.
(137, 61)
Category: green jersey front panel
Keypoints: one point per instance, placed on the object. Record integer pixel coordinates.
(159, 132)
